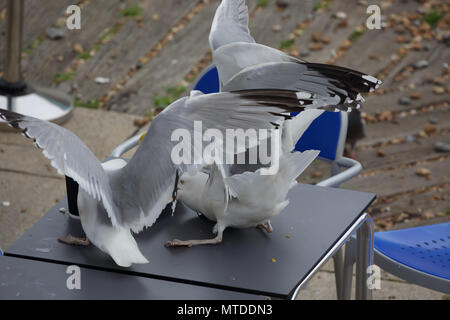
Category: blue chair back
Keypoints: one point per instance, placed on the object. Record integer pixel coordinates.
(208, 81)
(324, 134)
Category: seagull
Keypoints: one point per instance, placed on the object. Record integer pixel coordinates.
(244, 64)
(257, 198)
(118, 197)
(238, 195)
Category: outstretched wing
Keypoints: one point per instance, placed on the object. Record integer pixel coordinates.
(149, 178)
(69, 155)
(332, 86)
(230, 24)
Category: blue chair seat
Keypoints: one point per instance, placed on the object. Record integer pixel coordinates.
(426, 248)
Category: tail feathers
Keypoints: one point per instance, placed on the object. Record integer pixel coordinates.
(246, 184)
(123, 249)
(280, 207)
(293, 164)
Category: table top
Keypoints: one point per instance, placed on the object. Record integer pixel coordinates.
(248, 260)
(31, 279)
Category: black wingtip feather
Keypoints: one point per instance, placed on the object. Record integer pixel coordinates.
(12, 118)
(345, 78)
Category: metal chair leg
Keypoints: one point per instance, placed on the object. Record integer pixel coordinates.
(364, 258)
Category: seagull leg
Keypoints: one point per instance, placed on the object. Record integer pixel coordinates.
(265, 226)
(74, 240)
(189, 243)
(67, 213)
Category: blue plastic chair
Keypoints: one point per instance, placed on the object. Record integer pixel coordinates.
(419, 255)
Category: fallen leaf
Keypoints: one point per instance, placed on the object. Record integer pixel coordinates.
(439, 80)
(381, 153)
(428, 214)
(325, 39)
(316, 37)
(78, 48)
(438, 90)
(430, 129)
(385, 116)
(317, 174)
(140, 122)
(345, 44)
(401, 39)
(423, 172)
(276, 28)
(415, 96)
(402, 216)
(315, 46)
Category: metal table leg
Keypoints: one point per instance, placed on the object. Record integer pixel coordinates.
(338, 260)
(347, 269)
(363, 225)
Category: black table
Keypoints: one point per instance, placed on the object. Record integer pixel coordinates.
(306, 234)
(32, 279)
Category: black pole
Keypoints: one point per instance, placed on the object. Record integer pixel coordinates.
(12, 82)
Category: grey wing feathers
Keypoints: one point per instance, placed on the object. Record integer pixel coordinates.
(152, 170)
(69, 155)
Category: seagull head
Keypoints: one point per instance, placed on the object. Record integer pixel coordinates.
(190, 189)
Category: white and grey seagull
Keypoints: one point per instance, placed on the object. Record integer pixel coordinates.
(251, 65)
(117, 197)
(244, 64)
(256, 198)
